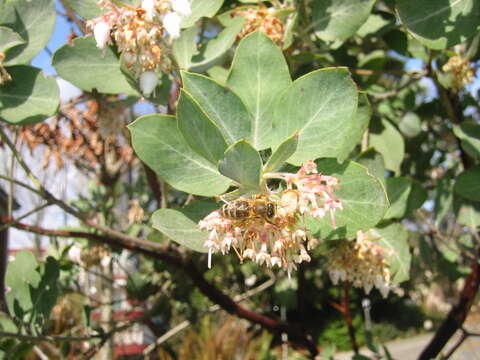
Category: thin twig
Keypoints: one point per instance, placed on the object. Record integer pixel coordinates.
(27, 214)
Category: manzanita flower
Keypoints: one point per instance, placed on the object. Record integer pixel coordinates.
(171, 22)
(282, 240)
(101, 32)
(4, 75)
(462, 71)
(361, 262)
(148, 82)
(262, 19)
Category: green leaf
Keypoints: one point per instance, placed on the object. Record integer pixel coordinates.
(410, 124)
(86, 66)
(337, 20)
(221, 105)
(467, 212)
(197, 210)
(388, 142)
(320, 106)
(34, 21)
(363, 198)
(373, 161)
(243, 164)
(44, 296)
(20, 277)
(372, 25)
(443, 199)
(29, 98)
(469, 134)
(468, 184)
(418, 195)
(353, 135)
(201, 8)
(440, 24)
(200, 133)
(395, 237)
(185, 47)
(258, 75)
(158, 142)
(180, 229)
(9, 39)
(217, 47)
(282, 154)
(87, 9)
(219, 74)
(398, 191)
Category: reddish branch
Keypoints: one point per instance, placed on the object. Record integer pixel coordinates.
(188, 266)
(456, 316)
(344, 309)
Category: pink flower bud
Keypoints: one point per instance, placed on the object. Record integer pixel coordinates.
(101, 32)
(148, 82)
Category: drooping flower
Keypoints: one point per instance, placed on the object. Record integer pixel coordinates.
(148, 82)
(262, 19)
(101, 32)
(362, 262)
(171, 22)
(462, 71)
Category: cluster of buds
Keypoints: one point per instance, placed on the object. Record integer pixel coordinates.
(140, 33)
(4, 75)
(90, 256)
(461, 70)
(362, 263)
(262, 19)
(278, 238)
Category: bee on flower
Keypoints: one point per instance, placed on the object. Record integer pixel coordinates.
(269, 228)
(142, 34)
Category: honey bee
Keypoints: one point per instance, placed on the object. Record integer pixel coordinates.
(245, 209)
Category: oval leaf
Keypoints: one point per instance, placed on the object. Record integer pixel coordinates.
(339, 19)
(468, 184)
(259, 73)
(88, 67)
(282, 154)
(395, 237)
(199, 131)
(319, 105)
(180, 229)
(29, 98)
(389, 142)
(34, 21)
(440, 24)
(201, 8)
(243, 164)
(9, 39)
(221, 105)
(158, 142)
(363, 198)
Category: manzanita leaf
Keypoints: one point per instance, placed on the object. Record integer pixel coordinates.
(398, 191)
(468, 184)
(180, 229)
(339, 19)
(201, 8)
(87, 9)
(34, 21)
(282, 154)
(158, 142)
(221, 105)
(29, 98)
(9, 39)
(259, 73)
(242, 163)
(217, 47)
(363, 198)
(373, 161)
(467, 212)
(395, 237)
(469, 134)
(388, 142)
(88, 67)
(320, 106)
(185, 47)
(200, 133)
(440, 24)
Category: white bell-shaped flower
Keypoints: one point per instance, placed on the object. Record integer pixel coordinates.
(171, 22)
(101, 32)
(148, 82)
(149, 7)
(182, 7)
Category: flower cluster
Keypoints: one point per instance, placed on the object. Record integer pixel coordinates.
(264, 20)
(362, 263)
(4, 75)
(280, 239)
(140, 33)
(461, 70)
